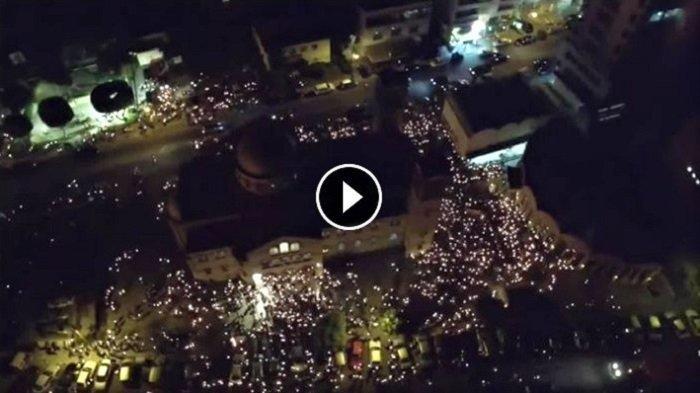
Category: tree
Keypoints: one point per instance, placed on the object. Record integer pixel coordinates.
(17, 126)
(335, 330)
(111, 96)
(55, 111)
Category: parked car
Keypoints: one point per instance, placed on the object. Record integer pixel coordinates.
(45, 379)
(679, 326)
(257, 371)
(235, 377)
(375, 351)
(400, 351)
(103, 373)
(655, 328)
(154, 374)
(340, 359)
(323, 88)
(299, 363)
(346, 83)
(356, 353)
(67, 376)
(85, 375)
(126, 373)
(693, 321)
(421, 351)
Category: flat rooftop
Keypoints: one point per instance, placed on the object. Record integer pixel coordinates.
(208, 189)
(372, 5)
(499, 102)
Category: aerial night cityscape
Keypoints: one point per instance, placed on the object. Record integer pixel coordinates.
(377, 196)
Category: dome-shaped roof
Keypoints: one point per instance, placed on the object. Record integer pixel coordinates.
(266, 149)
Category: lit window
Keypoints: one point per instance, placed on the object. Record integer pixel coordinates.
(284, 248)
(393, 237)
(341, 246)
(294, 246)
(274, 251)
(358, 243)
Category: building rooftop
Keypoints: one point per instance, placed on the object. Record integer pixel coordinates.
(497, 103)
(266, 149)
(208, 189)
(291, 30)
(372, 5)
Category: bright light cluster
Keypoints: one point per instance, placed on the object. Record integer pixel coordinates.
(484, 240)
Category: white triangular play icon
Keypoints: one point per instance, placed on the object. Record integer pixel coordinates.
(350, 197)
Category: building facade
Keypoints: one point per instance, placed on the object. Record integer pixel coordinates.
(588, 54)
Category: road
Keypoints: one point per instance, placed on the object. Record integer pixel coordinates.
(172, 145)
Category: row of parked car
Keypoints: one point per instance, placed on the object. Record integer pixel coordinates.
(255, 360)
(680, 324)
(93, 375)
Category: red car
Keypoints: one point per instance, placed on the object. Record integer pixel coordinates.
(356, 354)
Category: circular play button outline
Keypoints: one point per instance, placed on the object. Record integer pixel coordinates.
(376, 209)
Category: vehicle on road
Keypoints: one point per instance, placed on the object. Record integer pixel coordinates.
(102, 375)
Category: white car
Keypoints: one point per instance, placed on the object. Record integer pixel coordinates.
(85, 374)
(42, 383)
(375, 351)
(104, 371)
(323, 88)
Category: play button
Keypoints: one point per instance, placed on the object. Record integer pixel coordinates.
(348, 197)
